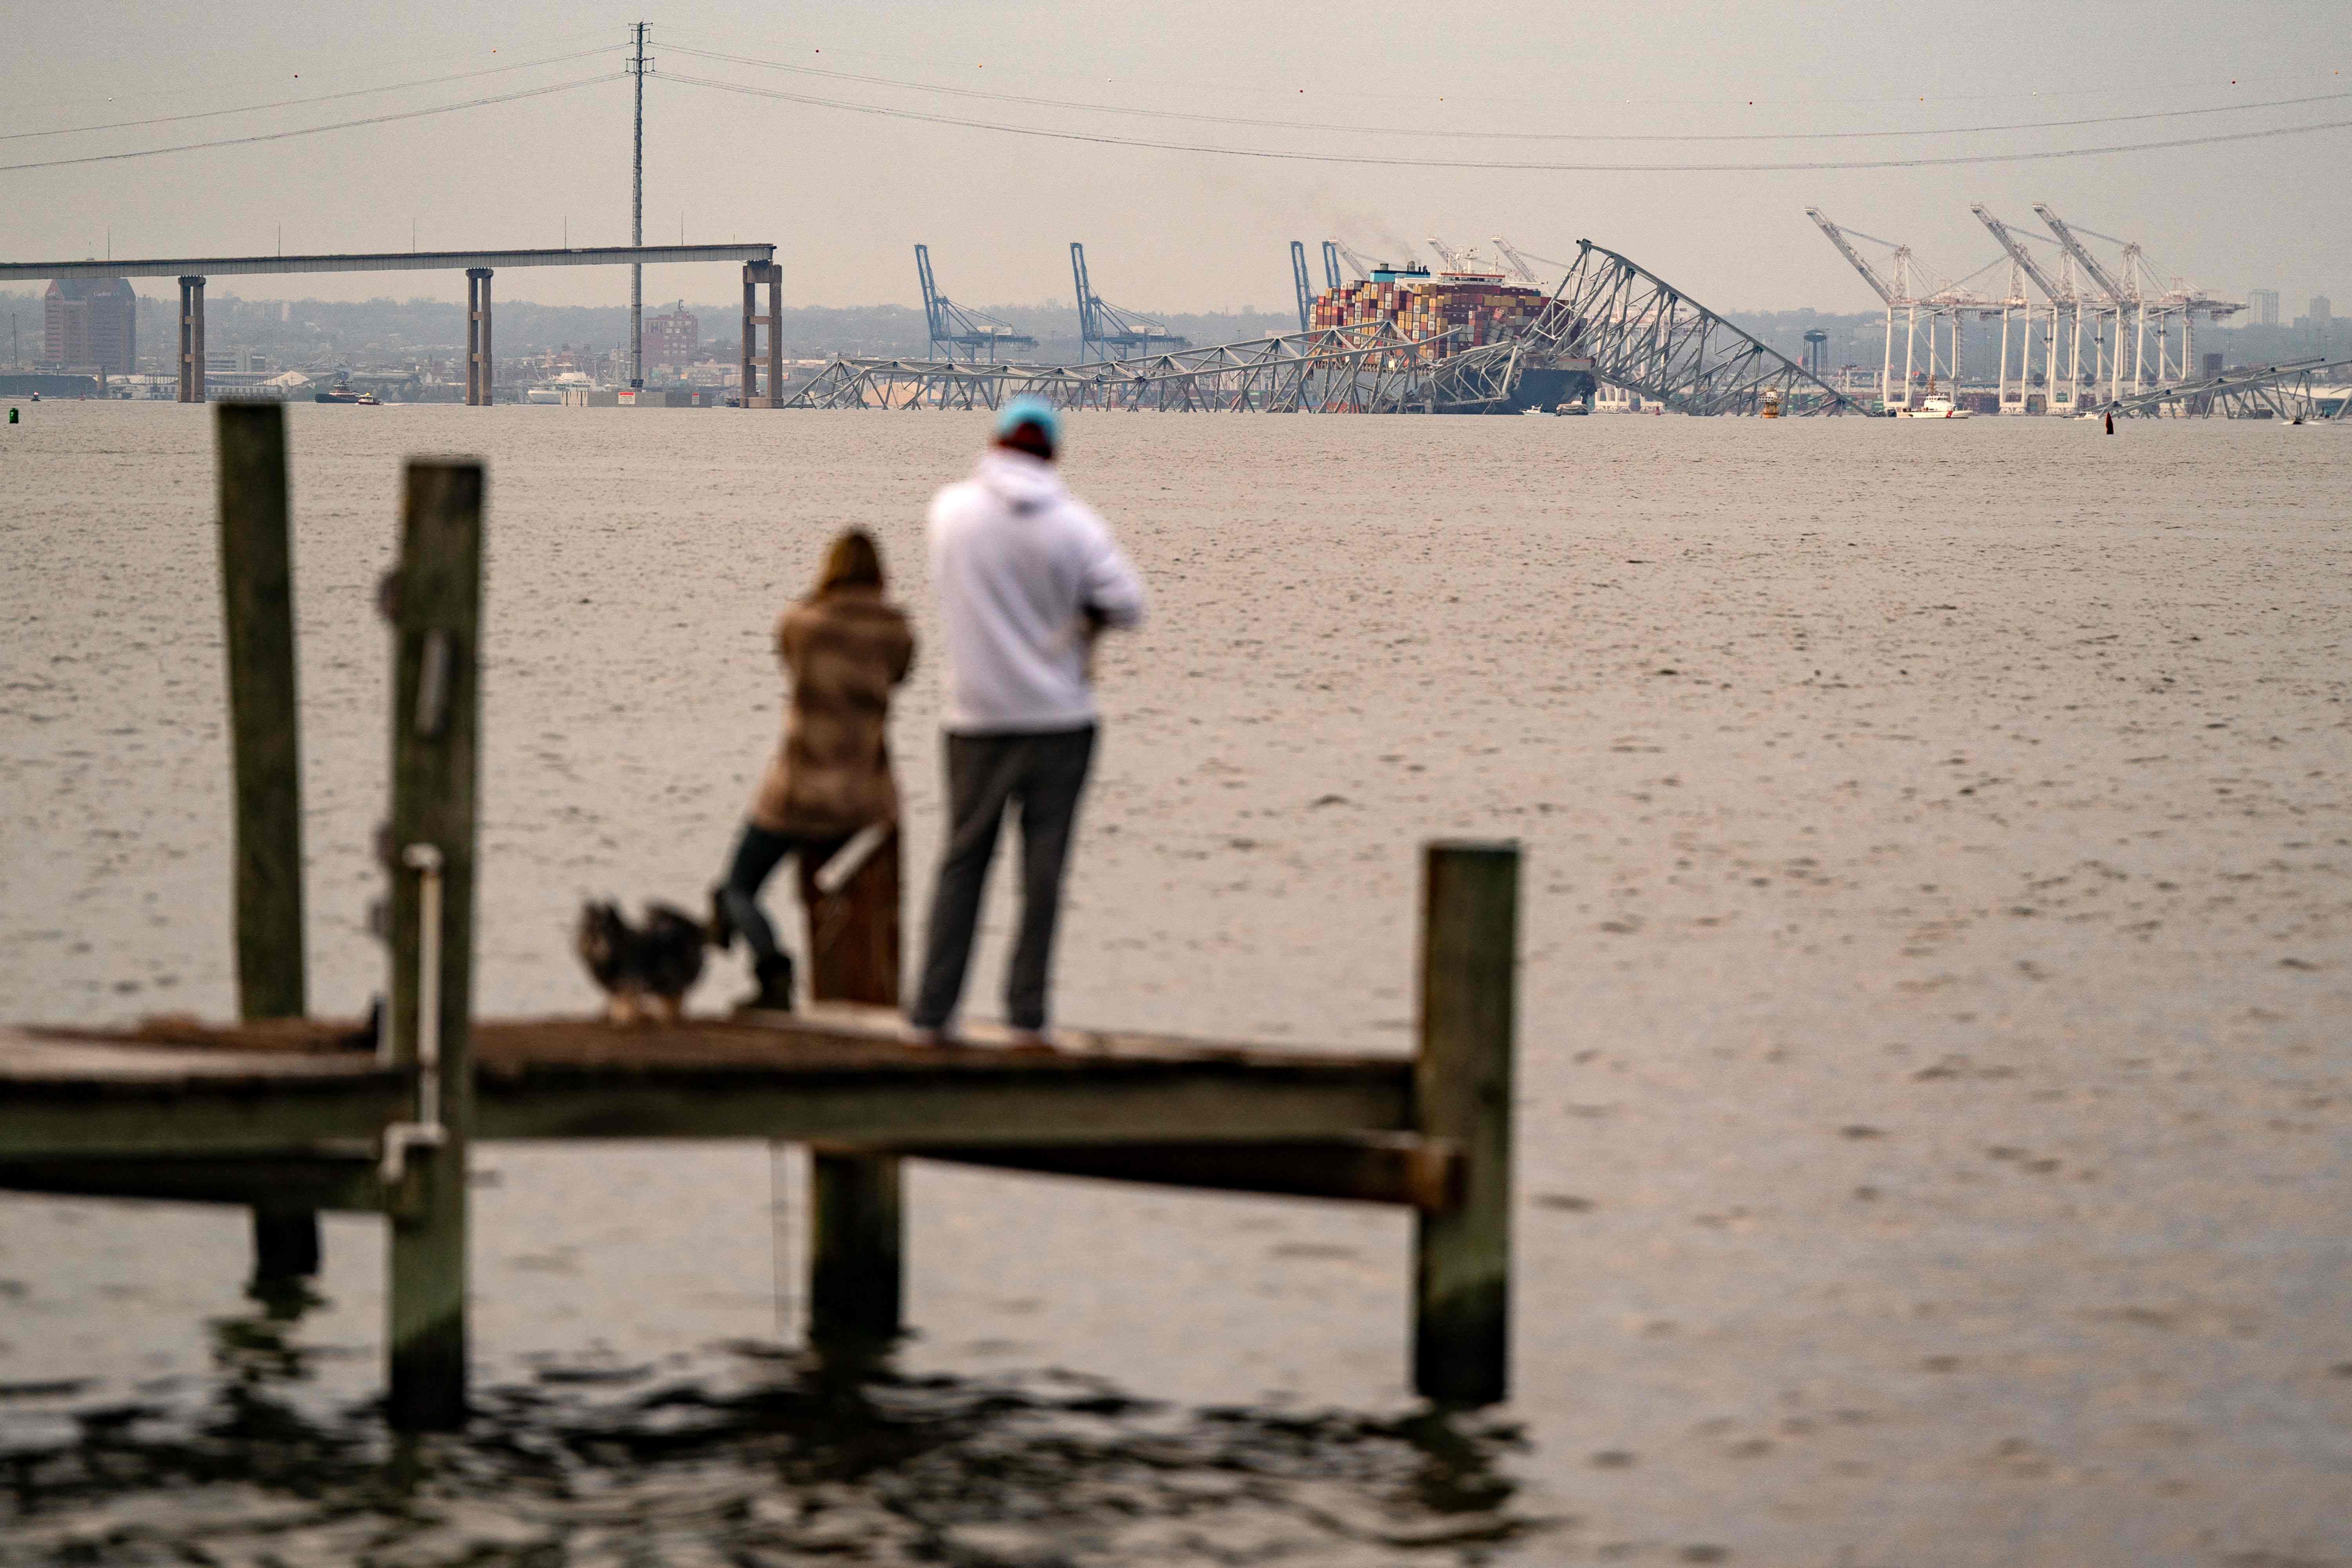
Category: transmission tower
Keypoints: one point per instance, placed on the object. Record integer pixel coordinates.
(1103, 326)
(638, 66)
(953, 327)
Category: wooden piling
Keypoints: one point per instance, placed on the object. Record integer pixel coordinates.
(1462, 1090)
(856, 1230)
(856, 1214)
(258, 599)
(437, 613)
(257, 559)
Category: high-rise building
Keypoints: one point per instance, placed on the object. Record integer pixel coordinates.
(2320, 310)
(674, 339)
(2261, 308)
(92, 322)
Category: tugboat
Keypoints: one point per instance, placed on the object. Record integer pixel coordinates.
(341, 392)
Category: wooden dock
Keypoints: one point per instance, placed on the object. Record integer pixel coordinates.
(290, 1116)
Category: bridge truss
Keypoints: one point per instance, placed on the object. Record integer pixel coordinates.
(1641, 332)
(2272, 392)
(1334, 370)
(1610, 319)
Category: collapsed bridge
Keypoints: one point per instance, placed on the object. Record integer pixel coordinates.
(1610, 320)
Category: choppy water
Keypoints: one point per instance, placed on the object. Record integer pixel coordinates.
(1934, 1095)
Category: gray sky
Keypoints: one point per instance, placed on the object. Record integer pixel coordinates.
(846, 194)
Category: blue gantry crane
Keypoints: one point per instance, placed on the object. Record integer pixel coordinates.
(953, 327)
(1103, 327)
(1305, 290)
(1331, 265)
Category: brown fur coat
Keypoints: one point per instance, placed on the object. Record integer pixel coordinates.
(844, 650)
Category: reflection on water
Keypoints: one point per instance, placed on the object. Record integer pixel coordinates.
(759, 1457)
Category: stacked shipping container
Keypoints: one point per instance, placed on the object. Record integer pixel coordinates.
(1423, 305)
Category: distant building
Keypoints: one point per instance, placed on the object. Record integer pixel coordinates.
(2261, 308)
(92, 322)
(675, 338)
(235, 362)
(2321, 311)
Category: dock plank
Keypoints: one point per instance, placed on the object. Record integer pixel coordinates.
(179, 1087)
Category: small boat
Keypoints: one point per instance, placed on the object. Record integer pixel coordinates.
(1933, 408)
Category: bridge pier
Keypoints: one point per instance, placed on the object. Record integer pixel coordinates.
(747, 368)
(480, 374)
(191, 340)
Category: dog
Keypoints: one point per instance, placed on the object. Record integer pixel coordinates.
(644, 971)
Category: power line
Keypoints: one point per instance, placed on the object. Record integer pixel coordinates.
(292, 103)
(434, 58)
(1393, 130)
(313, 129)
(1375, 160)
(2214, 80)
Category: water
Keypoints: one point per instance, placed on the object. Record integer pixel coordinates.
(1934, 1102)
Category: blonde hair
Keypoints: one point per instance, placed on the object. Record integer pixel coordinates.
(851, 562)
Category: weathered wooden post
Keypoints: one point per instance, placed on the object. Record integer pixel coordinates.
(435, 604)
(1462, 1090)
(257, 559)
(856, 1225)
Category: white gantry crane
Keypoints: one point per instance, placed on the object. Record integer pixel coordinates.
(2065, 301)
(2119, 300)
(2159, 302)
(1896, 294)
(1912, 289)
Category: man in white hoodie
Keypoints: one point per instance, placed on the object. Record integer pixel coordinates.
(1027, 576)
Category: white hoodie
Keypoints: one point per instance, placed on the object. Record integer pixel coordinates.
(1016, 560)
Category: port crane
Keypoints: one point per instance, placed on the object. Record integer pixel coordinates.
(2064, 298)
(953, 327)
(2138, 290)
(1896, 295)
(1331, 265)
(2118, 295)
(1306, 289)
(1103, 326)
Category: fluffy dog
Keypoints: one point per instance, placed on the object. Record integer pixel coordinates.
(644, 971)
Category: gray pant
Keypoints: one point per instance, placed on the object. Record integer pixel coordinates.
(1045, 774)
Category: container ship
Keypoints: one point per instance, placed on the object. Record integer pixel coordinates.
(1477, 308)
(1423, 304)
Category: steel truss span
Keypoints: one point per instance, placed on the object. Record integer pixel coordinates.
(1608, 320)
(1351, 370)
(2278, 391)
(1625, 325)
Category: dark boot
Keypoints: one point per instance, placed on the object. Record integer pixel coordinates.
(721, 928)
(775, 991)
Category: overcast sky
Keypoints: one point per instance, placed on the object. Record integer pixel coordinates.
(844, 195)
